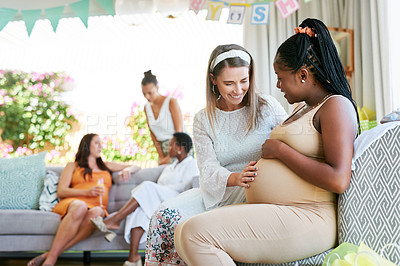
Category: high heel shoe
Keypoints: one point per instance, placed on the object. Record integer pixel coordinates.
(101, 226)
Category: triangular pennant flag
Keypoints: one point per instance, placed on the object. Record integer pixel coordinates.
(236, 14)
(108, 6)
(6, 14)
(196, 5)
(30, 17)
(81, 9)
(287, 7)
(214, 10)
(54, 15)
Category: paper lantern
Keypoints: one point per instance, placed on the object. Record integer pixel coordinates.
(133, 7)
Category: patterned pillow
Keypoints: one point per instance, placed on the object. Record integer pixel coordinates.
(21, 181)
(48, 199)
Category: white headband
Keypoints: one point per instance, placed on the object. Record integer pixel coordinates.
(230, 54)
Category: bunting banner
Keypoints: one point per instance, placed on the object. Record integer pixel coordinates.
(196, 5)
(81, 9)
(287, 7)
(30, 17)
(214, 9)
(108, 6)
(236, 14)
(259, 11)
(6, 14)
(54, 15)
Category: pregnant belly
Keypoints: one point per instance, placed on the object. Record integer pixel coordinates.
(275, 183)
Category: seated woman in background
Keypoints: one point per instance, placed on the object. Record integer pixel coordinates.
(174, 179)
(306, 161)
(163, 115)
(82, 197)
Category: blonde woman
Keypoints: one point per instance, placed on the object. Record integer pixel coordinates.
(228, 135)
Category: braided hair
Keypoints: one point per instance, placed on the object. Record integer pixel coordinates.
(318, 53)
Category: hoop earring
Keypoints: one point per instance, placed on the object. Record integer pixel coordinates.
(219, 94)
(213, 89)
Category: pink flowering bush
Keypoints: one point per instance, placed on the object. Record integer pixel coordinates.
(137, 146)
(32, 115)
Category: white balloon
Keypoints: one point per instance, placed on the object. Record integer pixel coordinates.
(172, 7)
(132, 7)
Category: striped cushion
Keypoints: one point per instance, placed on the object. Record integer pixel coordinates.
(369, 210)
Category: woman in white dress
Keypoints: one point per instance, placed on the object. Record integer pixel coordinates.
(174, 179)
(164, 116)
(228, 135)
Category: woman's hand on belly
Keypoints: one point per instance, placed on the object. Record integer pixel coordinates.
(245, 177)
(270, 148)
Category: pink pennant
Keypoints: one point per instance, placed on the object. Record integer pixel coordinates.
(287, 7)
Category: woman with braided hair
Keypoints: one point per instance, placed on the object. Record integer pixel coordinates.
(304, 164)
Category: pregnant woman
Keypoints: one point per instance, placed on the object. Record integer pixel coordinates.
(306, 162)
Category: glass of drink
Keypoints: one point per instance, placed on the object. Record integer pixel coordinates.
(100, 183)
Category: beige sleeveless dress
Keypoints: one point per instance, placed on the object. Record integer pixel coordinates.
(275, 182)
(292, 219)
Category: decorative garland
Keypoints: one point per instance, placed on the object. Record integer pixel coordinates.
(259, 11)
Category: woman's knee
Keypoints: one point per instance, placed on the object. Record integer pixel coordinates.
(147, 185)
(187, 230)
(77, 209)
(95, 212)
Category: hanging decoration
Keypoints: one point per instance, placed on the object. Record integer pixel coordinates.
(259, 10)
(108, 6)
(54, 14)
(30, 17)
(260, 13)
(214, 9)
(196, 5)
(81, 9)
(287, 7)
(6, 14)
(171, 8)
(236, 14)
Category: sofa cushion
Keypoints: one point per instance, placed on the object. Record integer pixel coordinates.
(369, 210)
(28, 222)
(48, 199)
(21, 181)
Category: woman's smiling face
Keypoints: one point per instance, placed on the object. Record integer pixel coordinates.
(233, 84)
(288, 84)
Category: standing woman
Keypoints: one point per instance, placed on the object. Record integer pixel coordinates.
(305, 164)
(81, 196)
(163, 114)
(228, 135)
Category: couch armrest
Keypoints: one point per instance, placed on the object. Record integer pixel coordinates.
(369, 210)
(145, 174)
